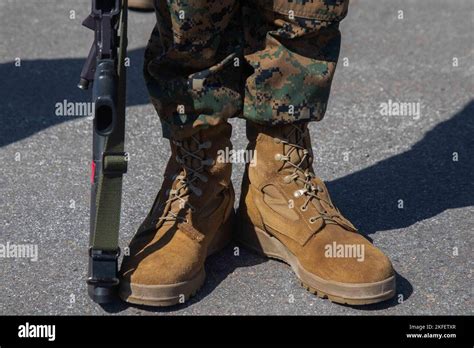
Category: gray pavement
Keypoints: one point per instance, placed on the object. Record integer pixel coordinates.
(369, 161)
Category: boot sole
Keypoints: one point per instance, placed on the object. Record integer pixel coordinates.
(343, 293)
(178, 293)
(161, 295)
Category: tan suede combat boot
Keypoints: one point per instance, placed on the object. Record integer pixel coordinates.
(141, 5)
(190, 219)
(286, 213)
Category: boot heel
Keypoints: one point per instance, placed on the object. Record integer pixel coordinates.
(260, 241)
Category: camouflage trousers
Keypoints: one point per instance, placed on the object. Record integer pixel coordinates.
(268, 61)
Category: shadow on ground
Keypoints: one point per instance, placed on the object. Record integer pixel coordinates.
(425, 177)
(31, 92)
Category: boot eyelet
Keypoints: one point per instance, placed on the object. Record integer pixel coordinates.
(278, 157)
(287, 179)
(303, 208)
(298, 193)
(312, 220)
(276, 140)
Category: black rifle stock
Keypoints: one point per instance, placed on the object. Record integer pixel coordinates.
(105, 68)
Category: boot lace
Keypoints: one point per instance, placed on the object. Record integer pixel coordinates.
(187, 177)
(302, 173)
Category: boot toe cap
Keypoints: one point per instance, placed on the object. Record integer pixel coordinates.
(159, 263)
(347, 257)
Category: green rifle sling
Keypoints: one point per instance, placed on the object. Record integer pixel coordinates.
(114, 163)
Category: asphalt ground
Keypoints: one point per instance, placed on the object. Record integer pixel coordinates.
(370, 162)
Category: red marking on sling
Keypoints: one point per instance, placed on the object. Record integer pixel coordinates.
(92, 171)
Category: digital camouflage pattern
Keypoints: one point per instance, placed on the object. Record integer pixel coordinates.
(269, 61)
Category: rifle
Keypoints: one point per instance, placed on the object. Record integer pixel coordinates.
(105, 68)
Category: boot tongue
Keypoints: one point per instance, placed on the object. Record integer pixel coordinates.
(296, 157)
(296, 153)
(190, 161)
(184, 175)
